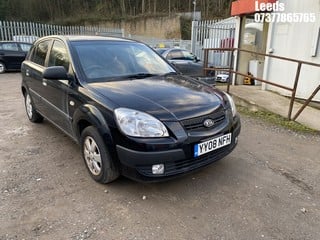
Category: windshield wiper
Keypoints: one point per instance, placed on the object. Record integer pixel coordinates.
(141, 75)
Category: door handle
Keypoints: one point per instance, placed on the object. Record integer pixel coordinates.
(44, 82)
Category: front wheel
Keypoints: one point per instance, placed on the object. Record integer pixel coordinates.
(32, 114)
(96, 156)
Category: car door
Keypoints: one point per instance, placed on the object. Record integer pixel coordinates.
(32, 70)
(55, 92)
(12, 55)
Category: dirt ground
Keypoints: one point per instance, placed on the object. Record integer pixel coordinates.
(268, 188)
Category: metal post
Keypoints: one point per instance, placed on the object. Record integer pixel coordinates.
(194, 32)
(306, 103)
(205, 63)
(230, 71)
(194, 9)
(294, 91)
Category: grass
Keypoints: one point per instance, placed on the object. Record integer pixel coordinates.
(276, 120)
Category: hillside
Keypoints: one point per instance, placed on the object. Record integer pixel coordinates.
(80, 11)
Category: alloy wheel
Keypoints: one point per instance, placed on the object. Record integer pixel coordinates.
(29, 107)
(92, 156)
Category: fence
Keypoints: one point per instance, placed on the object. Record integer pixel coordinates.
(213, 34)
(292, 89)
(29, 31)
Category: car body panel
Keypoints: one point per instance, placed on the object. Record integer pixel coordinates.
(170, 97)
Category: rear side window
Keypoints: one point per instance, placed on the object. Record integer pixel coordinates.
(9, 46)
(175, 55)
(25, 47)
(59, 55)
(39, 53)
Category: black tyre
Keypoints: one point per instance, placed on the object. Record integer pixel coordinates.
(96, 156)
(2, 67)
(32, 113)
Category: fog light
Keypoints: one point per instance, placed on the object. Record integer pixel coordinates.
(236, 140)
(158, 169)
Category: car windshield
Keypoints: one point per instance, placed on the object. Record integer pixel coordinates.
(110, 60)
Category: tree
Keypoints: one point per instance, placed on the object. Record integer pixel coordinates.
(53, 11)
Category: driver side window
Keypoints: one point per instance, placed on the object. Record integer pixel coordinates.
(59, 55)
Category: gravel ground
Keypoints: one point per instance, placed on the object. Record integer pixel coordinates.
(268, 188)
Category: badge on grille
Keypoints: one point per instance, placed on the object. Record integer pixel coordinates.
(208, 123)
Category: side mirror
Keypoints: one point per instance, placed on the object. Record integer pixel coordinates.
(55, 73)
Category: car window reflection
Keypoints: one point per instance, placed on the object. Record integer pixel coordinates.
(108, 61)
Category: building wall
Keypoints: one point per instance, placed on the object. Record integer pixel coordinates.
(298, 41)
(252, 40)
(160, 27)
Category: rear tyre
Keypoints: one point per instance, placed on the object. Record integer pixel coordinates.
(96, 156)
(32, 113)
(2, 67)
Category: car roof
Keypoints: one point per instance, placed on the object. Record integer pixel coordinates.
(15, 42)
(74, 38)
(177, 48)
(173, 49)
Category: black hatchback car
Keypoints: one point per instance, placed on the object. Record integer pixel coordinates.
(128, 108)
(12, 54)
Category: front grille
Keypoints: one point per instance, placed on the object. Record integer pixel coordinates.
(197, 123)
(187, 165)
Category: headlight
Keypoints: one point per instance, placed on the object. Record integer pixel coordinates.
(232, 105)
(139, 124)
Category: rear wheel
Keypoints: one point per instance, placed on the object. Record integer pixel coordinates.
(2, 67)
(32, 114)
(96, 156)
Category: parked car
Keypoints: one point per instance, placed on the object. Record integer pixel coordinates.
(12, 55)
(161, 50)
(186, 62)
(222, 77)
(129, 110)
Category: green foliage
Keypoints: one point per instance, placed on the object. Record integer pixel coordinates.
(276, 120)
(59, 11)
(3, 7)
(185, 26)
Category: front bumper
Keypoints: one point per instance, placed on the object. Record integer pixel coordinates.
(138, 164)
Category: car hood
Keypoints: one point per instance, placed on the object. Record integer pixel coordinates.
(168, 98)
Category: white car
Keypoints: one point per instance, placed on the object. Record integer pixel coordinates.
(222, 78)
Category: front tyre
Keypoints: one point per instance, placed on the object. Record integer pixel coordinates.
(96, 156)
(32, 114)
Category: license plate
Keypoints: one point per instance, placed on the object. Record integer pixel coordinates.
(212, 144)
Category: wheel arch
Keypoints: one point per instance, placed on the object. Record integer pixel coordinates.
(23, 90)
(89, 115)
